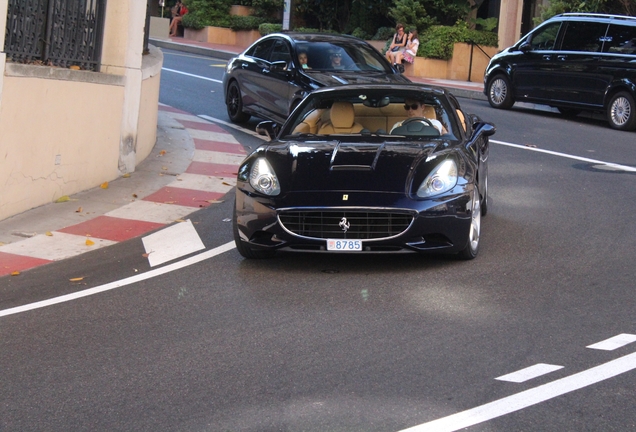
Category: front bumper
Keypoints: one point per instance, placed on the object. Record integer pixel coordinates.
(436, 225)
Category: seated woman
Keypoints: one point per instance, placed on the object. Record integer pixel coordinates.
(179, 11)
(409, 52)
(414, 108)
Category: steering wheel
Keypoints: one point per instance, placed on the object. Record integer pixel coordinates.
(424, 120)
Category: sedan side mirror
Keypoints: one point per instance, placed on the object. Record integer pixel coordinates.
(280, 65)
(268, 128)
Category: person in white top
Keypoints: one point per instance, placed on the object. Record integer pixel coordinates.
(414, 108)
(410, 50)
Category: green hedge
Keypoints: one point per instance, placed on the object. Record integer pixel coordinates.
(268, 28)
(245, 22)
(437, 42)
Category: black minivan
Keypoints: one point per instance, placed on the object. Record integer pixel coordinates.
(574, 62)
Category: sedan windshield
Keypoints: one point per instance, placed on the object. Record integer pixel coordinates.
(342, 56)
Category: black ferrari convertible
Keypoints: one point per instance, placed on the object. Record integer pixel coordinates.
(364, 169)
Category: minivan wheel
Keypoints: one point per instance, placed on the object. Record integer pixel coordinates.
(235, 104)
(621, 111)
(500, 92)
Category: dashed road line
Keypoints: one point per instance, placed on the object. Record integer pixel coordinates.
(529, 373)
(529, 397)
(615, 342)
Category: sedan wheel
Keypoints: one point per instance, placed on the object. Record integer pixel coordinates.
(235, 104)
(500, 92)
(621, 112)
(472, 245)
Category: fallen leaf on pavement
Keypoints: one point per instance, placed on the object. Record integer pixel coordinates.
(48, 233)
(77, 279)
(126, 175)
(104, 185)
(162, 152)
(15, 273)
(62, 199)
(79, 210)
(89, 242)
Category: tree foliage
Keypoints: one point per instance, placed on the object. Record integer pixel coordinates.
(203, 13)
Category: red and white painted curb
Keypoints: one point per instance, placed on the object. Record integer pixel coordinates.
(210, 175)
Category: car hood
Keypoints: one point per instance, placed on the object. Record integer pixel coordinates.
(338, 78)
(338, 166)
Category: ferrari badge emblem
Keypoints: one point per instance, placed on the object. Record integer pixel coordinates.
(345, 197)
(344, 224)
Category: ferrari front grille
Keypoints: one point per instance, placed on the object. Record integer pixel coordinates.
(339, 224)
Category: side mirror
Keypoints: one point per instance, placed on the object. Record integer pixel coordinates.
(525, 47)
(268, 128)
(485, 128)
(279, 65)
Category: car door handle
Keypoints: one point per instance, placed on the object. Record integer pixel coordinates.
(547, 57)
(562, 57)
(244, 65)
(265, 71)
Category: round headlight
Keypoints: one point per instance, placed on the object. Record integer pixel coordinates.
(442, 179)
(263, 178)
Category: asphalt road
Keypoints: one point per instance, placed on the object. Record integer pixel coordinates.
(353, 343)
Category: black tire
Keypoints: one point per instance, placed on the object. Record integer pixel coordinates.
(569, 112)
(500, 92)
(472, 242)
(621, 112)
(244, 248)
(234, 104)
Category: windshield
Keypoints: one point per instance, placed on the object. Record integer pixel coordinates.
(413, 115)
(341, 56)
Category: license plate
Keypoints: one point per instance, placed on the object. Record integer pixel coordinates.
(344, 245)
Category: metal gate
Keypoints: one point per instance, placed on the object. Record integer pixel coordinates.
(56, 32)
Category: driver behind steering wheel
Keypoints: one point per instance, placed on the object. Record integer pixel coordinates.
(414, 108)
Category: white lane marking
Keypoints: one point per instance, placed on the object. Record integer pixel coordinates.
(565, 155)
(529, 397)
(233, 126)
(223, 158)
(171, 243)
(121, 283)
(225, 137)
(529, 373)
(205, 183)
(55, 247)
(150, 211)
(193, 76)
(614, 342)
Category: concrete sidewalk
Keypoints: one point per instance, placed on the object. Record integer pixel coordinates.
(192, 165)
(465, 89)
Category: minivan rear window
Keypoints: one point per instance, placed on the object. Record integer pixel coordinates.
(621, 39)
(584, 36)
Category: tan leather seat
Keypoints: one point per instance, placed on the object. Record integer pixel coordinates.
(461, 118)
(310, 123)
(342, 120)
